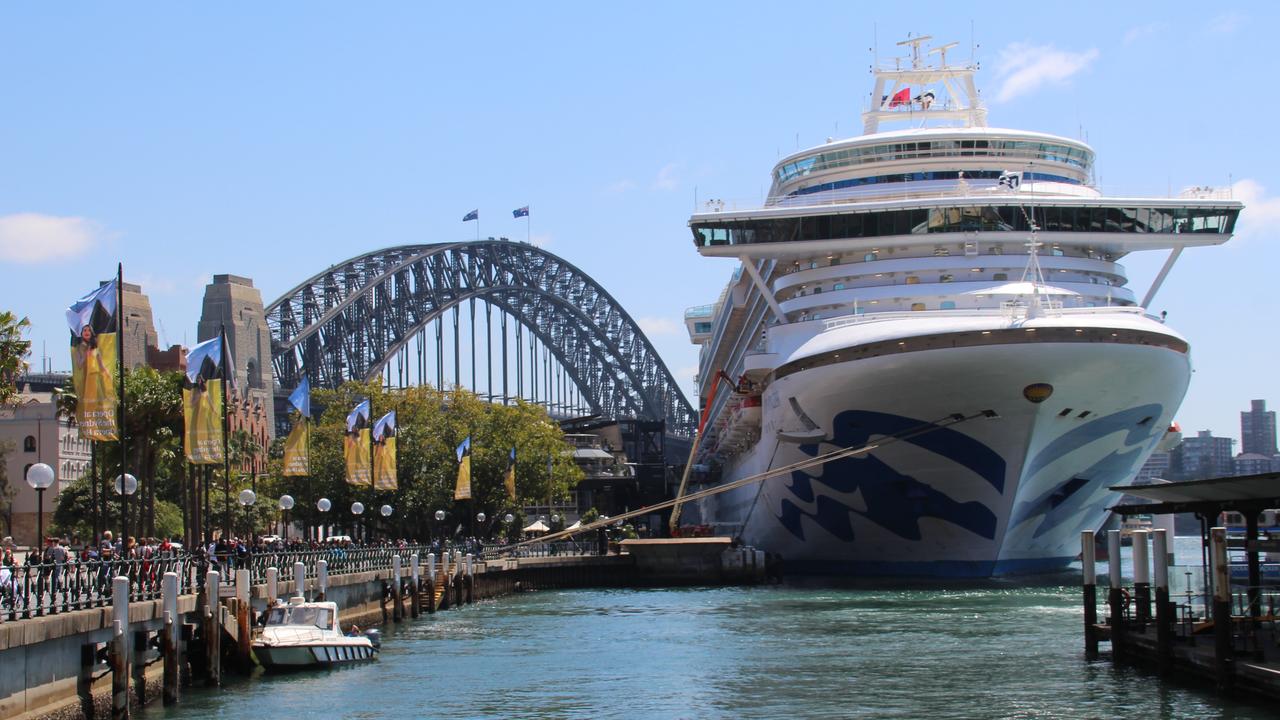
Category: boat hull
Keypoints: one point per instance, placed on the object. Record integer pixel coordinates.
(298, 657)
(986, 497)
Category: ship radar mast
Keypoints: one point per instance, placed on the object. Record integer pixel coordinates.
(924, 93)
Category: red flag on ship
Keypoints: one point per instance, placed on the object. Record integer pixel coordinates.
(902, 97)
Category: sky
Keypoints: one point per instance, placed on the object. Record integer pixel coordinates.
(271, 140)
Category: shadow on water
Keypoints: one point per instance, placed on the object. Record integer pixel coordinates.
(843, 582)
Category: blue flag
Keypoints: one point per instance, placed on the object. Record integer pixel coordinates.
(473, 215)
(521, 212)
(464, 449)
(300, 398)
(358, 415)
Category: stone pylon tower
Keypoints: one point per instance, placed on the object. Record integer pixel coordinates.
(233, 302)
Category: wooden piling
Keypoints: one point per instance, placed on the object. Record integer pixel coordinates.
(1166, 612)
(1088, 565)
(244, 628)
(299, 580)
(322, 579)
(170, 638)
(415, 579)
(212, 629)
(120, 648)
(273, 586)
(1115, 596)
(1223, 655)
(397, 610)
(1141, 578)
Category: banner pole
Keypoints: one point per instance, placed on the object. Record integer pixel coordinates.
(120, 409)
(226, 433)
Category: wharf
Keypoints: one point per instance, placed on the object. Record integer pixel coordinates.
(98, 654)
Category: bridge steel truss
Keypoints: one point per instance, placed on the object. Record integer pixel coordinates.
(348, 322)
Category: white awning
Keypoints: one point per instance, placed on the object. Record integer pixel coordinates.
(592, 454)
(537, 526)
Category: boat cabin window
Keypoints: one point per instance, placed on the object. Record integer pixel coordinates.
(318, 617)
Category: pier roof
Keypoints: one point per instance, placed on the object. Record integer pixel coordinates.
(1245, 493)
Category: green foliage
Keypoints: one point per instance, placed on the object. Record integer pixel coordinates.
(432, 424)
(13, 351)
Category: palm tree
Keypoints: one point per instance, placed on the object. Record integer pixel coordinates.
(13, 350)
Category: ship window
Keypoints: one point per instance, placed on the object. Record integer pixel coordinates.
(869, 257)
(817, 290)
(941, 251)
(838, 286)
(912, 280)
(1000, 276)
(702, 327)
(813, 265)
(946, 278)
(995, 250)
(948, 305)
(917, 306)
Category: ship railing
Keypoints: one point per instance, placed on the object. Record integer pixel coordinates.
(863, 318)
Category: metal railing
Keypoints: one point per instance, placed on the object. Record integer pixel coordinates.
(40, 589)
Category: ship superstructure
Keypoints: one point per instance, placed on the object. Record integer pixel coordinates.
(937, 268)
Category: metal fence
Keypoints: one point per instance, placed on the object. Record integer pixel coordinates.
(49, 588)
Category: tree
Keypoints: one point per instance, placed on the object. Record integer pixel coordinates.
(73, 515)
(13, 351)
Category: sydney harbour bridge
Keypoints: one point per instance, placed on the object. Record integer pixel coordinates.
(506, 320)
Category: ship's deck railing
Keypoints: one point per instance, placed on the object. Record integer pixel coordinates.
(1009, 307)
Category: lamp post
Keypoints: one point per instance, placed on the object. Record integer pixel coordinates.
(508, 519)
(39, 477)
(440, 524)
(480, 518)
(286, 504)
(357, 509)
(323, 506)
(386, 511)
(247, 499)
(126, 485)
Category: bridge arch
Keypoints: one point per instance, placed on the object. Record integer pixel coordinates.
(349, 321)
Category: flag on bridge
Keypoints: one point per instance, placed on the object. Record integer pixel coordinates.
(297, 447)
(355, 445)
(473, 215)
(521, 212)
(462, 490)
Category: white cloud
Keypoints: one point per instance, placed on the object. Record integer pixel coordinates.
(1024, 67)
(1261, 212)
(1135, 34)
(667, 179)
(619, 186)
(653, 326)
(36, 238)
(1226, 23)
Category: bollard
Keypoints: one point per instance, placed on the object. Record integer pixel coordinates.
(1222, 630)
(322, 579)
(1141, 578)
(396, 612)
(1115, 596)
(469, 582)
(300, 580)
(212, 628)
(416, 584)
(1089, 572)
(244, 633)
(170, 638)
(120, 648)
(431, 565)
(273, 586)
(1165, 610)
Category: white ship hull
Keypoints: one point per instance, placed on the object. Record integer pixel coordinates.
(1006, 495)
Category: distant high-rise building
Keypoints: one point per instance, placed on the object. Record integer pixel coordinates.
(234, 304)
(1258, 429)
(1156, 468)
(1251, 464)
(1202, 456)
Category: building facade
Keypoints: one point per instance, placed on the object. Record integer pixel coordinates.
(1156, 468)
(1258, 430)
(1202, 456)
(233, 304)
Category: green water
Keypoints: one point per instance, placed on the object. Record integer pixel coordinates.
(767, 652)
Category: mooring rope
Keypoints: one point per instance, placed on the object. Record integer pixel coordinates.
(922, 429)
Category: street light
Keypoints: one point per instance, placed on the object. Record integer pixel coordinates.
(440, 525)
(286, 504)
(323, 506)
(386, 510)
(126, 485)
(40, 477)
(247, 499)
(357, 508)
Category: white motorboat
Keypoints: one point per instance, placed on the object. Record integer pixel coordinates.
(301, 634)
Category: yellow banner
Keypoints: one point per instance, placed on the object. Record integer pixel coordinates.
(384, 464)
(511, 482)
(462, 491)
(202, 419)
(355, 448)
(297, 459)
(93, 374)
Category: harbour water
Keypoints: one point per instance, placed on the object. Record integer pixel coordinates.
(1000, 650)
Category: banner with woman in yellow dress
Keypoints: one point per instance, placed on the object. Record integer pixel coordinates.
(95, 361)
(384, 453)
(355, 446)
(203, 399)
(297, 447)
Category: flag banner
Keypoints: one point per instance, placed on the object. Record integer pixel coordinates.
(202, 421)
(384, 453)
(297, 460)
(355, 446)
(520, 212)
(203, 396)
(462, 490)
(473, 215)
(511, 475)
(300, 398)
(902, 97)
(95, 362)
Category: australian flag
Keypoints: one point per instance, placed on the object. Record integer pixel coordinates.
(473, 215)
(520, 212)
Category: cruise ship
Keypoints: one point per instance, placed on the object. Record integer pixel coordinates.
(947, 297)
